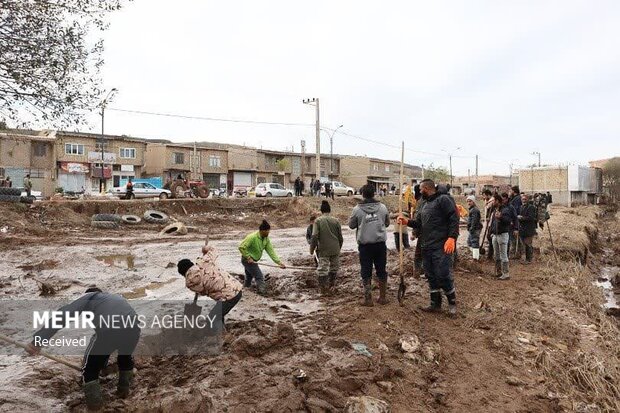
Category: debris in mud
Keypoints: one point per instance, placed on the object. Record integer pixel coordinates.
(300, 375)
(118, 260)
(361, 349)
(43, 265)
(514, 381)
(409, 344)
(366, 404)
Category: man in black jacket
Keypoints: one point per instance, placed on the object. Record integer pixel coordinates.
(437, 225)
(474, 226)
(515, 203)
(501, 225)
(527, 226)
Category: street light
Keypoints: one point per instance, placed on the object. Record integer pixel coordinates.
(104, 102)
(537, 153)
(331, 150)
(450, 157)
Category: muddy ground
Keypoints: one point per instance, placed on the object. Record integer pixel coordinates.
(541, 342)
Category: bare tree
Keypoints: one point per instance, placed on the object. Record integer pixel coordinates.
(49, 71)
(611, 178)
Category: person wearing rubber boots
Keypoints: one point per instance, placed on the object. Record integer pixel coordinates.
(370, 219)
(103, 343)
(437, 224)
(327, 242)
(501, 225)
(251, 249)
(474, 226)
(527, 226)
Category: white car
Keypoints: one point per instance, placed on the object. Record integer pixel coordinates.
(272, 189)
(141, 190)
(38, 195)
(341, 189)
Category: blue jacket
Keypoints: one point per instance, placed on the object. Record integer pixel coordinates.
(515, 203)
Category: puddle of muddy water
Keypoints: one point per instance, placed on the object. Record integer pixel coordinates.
(140, 292)
(612, 298)
(118, 260)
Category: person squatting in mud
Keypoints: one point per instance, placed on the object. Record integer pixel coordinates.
(370, 219)
(327, 241)
(437, 227)
(103, 343)
(207, 278)
(251, 249)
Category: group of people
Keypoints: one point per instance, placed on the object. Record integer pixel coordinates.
(316, 188)
(7, 183)
(432, 213)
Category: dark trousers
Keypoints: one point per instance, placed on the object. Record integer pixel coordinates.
(529, 247)
(438, 270)
(105, 343)
(418, 261)
(253, 271)
(224, 307)
(373, 254)
(405, 241)
(490, 245)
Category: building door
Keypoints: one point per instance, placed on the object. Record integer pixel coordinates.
(211, 180)
(72, 182)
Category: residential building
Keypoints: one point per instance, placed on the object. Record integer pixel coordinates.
(329, 169)
(29, 152)
(204, 161)
(569, 185)
(85, 160)
(360, 170)
(466, 184)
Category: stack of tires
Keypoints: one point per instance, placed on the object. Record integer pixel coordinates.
(105, 221)
(10, 195)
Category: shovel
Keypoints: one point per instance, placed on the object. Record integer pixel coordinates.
(49, 356)
(193, 309)
(402, 287)
(483, 250)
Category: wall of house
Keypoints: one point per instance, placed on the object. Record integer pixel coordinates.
(18, 158)
(354, 171)
(242, 159)
(544, 179)
(155, 160)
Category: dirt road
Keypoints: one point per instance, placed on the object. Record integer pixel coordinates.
(540, 342)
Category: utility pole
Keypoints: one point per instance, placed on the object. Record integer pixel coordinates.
(331, 150)
(104, 102)
(450, 157)
(510, 166)
(477, 189)
(303, 159)
(315, 102)
(537, 153)
(422, 171)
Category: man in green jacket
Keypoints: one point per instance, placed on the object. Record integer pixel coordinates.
(327, 241)
(251, 249)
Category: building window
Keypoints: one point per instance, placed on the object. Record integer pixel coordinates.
(375, 167)
(99, 145)
(215, 161)
(179, 158)
(37, 173)
(387, 168)
(74, 149)
(128, 153)
(40, 149)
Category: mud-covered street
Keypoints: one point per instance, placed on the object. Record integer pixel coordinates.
(540, 342)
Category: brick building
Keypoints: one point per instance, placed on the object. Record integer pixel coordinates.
(569, 185)
(360, 170)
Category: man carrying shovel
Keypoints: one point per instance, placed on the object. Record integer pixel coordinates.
(207, 278)
(251, 249)
(106, 340)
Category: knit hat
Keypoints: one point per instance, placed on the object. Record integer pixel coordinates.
(184, 265)
(471, 198)
(325, 207)
(264, 226)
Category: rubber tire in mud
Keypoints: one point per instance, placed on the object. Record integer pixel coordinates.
(104, 224)
(10, 198)
(106, 218)
(131, 219)
(176, 228)
(26, 199)
(10, 191)
(155, 217)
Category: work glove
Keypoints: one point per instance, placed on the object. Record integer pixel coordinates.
(449, 246)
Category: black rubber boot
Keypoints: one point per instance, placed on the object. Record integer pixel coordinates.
(332, 280)
(125, 377)
(451, 304)
(498, 269)
(93, 396)
(324, 284)
(435, 305)
(382, 293)
(367, 295)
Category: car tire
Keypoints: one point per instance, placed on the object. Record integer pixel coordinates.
(106, 218)
(176, 228)
(268, 195)
(289, 195)
(131, 219)
(10, 191)
(155, 217)
(350, 193)
(104, 224)
(10, 198)
(163, 195)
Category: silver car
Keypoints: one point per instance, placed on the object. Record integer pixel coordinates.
(141, 190)
(272, 189)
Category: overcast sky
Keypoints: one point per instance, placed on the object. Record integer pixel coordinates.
(501, 79)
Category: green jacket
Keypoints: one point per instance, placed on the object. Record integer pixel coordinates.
(253, 246)
(326, 236)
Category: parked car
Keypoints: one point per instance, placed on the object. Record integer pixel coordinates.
(341, 189)
(141, 190)
(36, 194)
(272, 189)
